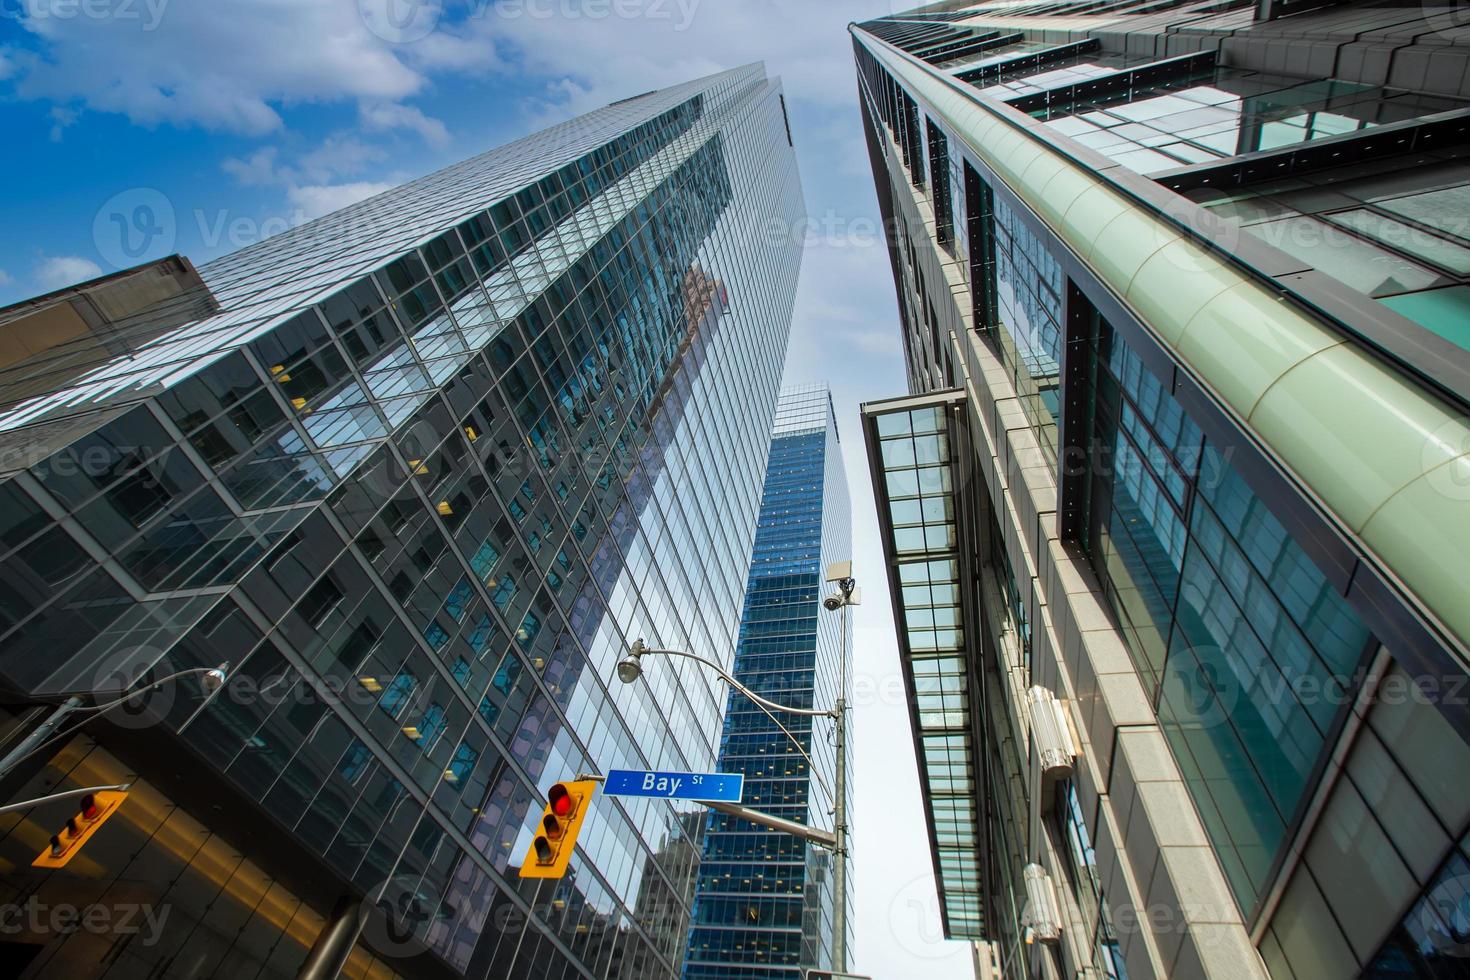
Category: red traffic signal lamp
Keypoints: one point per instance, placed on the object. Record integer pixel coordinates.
(556, 834)
(92, 811)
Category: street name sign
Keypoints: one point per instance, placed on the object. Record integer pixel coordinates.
(705, 787)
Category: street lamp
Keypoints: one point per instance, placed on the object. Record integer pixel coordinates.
(211, 680)
(630, 668)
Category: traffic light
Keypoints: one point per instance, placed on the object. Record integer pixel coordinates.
(67, 842)
(551, 848)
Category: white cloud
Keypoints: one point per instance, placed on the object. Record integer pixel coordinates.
(5, 278)
(61, 117)
(319, 199)
(308, 180)
(391, 115)
(190, 63)
(456, 50)
(257, 169)
(804, 42)
(57, 271)
(341, 155)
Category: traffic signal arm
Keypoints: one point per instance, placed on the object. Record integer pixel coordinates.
(556, 834)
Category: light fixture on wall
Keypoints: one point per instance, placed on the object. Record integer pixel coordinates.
(1042, 916)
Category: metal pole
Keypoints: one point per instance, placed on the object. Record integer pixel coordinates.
(39, 735)
(328, 955)
(68, 794)
(818, 836)
(839, 809)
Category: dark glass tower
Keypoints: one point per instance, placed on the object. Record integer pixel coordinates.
(418, 471)
(765, 900)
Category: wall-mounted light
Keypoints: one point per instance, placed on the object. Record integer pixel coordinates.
(1051, 735)
(1042, 915)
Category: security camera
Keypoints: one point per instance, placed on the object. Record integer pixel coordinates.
(832, 603)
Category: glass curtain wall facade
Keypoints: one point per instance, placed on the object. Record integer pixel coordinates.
(432, 463)
(1155, 297)
(764, 903)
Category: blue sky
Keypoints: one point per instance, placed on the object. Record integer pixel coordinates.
(208, 125)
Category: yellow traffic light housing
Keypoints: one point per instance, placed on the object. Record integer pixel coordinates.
(556, 834)
(65, 844)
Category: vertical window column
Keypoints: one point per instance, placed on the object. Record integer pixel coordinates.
(980, 227)
(939, 186)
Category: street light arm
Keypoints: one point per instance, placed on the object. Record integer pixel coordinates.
(640, 648)
(66, 795)
(34, 743)
(818, 836)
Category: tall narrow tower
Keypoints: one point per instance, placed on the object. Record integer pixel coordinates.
(764, 899)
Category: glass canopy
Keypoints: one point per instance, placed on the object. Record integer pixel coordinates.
(909, 443)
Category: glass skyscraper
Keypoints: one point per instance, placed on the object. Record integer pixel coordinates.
(765, 900)
(1176, 506)
(418, 471)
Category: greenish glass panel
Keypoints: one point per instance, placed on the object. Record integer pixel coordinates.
(1444, 311)
(1406, 238)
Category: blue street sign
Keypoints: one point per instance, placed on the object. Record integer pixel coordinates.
(706, 787)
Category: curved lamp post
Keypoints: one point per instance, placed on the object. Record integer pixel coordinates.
(211, 681)
(630, 668)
